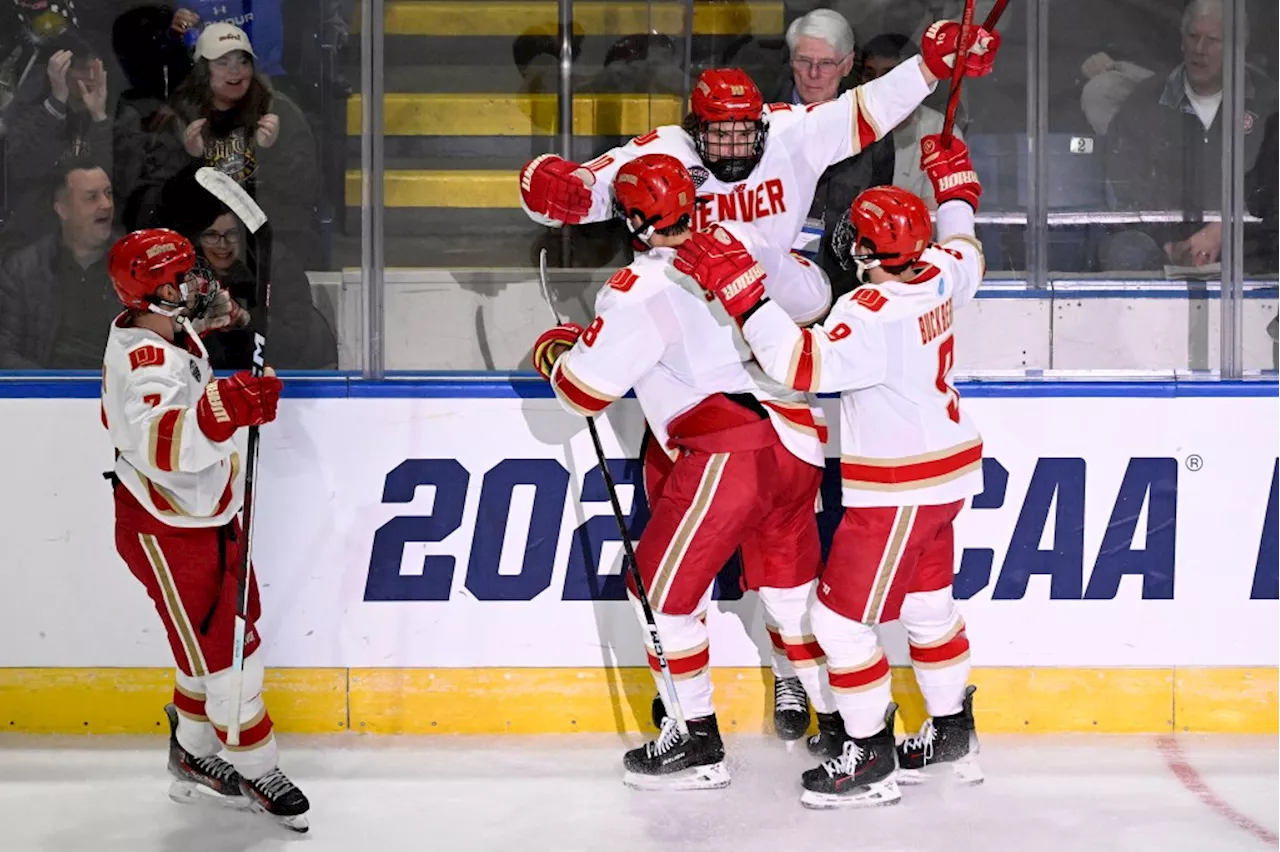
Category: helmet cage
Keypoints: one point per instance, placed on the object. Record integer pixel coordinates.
(730, 169)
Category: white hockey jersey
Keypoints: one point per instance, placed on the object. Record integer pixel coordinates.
(150, 388)
(653, 332)
(889, 350)
(803, 142)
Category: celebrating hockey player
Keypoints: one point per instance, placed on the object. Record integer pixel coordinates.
(747, 471)
(759, 164)
(177, 493)
(910, 458)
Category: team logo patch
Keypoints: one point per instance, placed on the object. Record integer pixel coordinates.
(146, 356)
(700, 174)
(195, 371)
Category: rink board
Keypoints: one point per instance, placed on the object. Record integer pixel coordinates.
(431, 561)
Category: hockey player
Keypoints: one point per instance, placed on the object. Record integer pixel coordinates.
(177, 493)
(747, 471)
(910, 458)
(758, 164)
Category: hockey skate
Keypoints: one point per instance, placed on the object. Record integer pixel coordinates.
(790, 708)
(275, 795)
(861, 777)
(944, 742)
(672, 762)
(829, 742)
(200, 779)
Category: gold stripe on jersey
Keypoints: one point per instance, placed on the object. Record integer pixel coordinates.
(173, 604)
(860, 110)
(973, 241)
(802, 428)
(903, 461)
(687, 528)
(175, 443)
(903, 521)
(570, 378)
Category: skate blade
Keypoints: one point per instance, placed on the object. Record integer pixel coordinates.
(192, 793)
(711, 777)
(296, 823)
(878, 795)
(966, 772)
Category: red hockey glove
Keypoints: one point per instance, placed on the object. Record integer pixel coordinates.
(721, 264)
(938, 47)
(550, 187)
(553, 343)
(242, 400)
(950, 171)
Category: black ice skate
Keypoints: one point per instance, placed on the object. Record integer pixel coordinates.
(274, 794)
(861, 777)
(200, 779)
(790, 708)
(672, 762)
(943, 742)
(829, 742)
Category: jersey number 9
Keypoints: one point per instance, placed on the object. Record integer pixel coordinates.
(947, 360)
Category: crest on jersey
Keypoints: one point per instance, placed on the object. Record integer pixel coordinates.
(699, 175)
(195, 370)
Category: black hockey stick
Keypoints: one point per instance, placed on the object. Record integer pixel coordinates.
(247, 210)
(654, 639)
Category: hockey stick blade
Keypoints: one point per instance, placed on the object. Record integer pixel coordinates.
(232, 194)
(546, 286)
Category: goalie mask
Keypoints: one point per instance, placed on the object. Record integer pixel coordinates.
(142, 262)
(656, 188)
(885, 226)
(727, 123)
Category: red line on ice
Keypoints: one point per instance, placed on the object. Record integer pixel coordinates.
(1191, 779)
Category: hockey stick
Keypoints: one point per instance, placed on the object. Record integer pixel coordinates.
(650, 622)
(957, 73)
(247, 210)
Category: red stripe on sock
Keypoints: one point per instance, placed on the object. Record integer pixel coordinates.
(683, 665)
(860, 678)
(187, 704)
(943, 653)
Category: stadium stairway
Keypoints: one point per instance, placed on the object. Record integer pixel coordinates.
(471, 95)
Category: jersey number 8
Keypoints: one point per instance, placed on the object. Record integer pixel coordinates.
(593, 331)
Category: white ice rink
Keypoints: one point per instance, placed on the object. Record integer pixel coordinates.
(564, 794)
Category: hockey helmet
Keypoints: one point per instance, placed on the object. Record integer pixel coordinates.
(658, 189)
(727, 96)
(886, 225)
(142, 262)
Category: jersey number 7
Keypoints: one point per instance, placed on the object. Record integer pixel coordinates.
(947, 360)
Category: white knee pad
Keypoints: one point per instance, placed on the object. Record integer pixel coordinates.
(685, 644)
(930, 616)
(847, 643)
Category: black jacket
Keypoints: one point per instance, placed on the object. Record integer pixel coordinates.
(53, 314)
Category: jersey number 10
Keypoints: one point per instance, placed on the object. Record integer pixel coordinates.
(947, 360)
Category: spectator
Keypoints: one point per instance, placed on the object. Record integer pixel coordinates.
(226, 116)
(1165, 149)
(260, 20)
(57, 300)
(71, 121)
(301, 339)
(881, 55)
(821, 47)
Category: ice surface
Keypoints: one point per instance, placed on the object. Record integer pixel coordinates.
(564, 794)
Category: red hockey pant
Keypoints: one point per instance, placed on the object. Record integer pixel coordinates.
(889, 563)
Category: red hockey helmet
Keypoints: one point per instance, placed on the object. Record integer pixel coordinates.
(728, 95)
(142, 262)
(658, 189)
(886, 225)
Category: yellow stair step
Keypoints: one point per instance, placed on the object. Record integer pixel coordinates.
(444, 18)
(470, 114)
(462, 188)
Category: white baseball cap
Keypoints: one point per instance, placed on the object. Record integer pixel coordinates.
(219, 39)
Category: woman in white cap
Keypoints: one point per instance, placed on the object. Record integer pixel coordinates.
(226, 115)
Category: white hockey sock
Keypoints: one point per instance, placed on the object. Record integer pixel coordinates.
(787, 613)
(684, 641)
(857, 670)
(194, 733)
(257, 754)
(939, 649)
